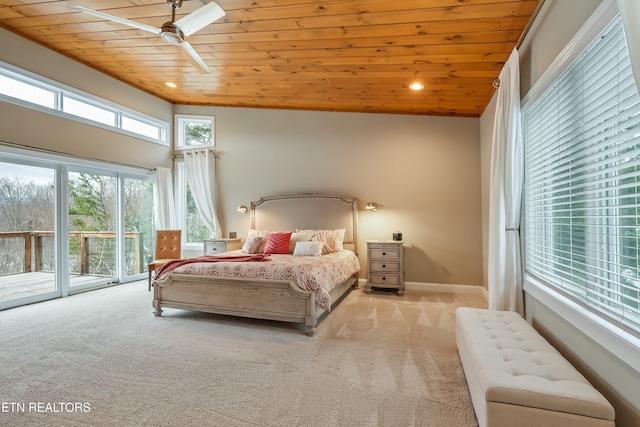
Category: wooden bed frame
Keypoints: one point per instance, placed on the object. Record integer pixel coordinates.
(268, 299)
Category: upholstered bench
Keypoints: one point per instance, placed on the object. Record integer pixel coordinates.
(516, 378)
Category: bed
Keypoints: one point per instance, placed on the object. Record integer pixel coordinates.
(215, 287)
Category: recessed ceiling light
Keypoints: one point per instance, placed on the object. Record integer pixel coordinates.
(171, 84)
(416, 86)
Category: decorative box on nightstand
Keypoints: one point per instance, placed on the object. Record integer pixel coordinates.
(385, 262)
(218, 246)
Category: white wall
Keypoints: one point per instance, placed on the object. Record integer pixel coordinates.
(557, 23)
(424, 170)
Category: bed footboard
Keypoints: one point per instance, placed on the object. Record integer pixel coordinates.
(254, 298)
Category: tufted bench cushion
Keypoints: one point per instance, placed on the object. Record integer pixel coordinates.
(516, 377)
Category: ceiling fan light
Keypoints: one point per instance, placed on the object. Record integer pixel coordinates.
(171, 34)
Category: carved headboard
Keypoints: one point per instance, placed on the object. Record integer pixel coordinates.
(318, 211)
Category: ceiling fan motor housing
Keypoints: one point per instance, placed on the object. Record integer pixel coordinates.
(171, 34)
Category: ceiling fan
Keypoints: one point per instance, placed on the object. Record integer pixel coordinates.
(174, 32)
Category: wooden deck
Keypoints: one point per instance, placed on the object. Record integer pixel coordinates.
(22, 285)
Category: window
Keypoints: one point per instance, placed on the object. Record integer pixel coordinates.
(29, 90)
(191, 132)
(194, 131)
(195, 230)
(582, 183)
(88, 110)
(15, 88)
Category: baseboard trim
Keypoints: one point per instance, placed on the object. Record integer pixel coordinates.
(444, 287)
(438, 287)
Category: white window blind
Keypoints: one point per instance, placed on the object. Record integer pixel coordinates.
(582, 182)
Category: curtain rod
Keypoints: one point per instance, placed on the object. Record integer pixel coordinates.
(534, 15)
(73, 156)
(182, 153)
(525, 31)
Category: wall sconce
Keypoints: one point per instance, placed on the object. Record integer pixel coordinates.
(242, 209)
(372, 206)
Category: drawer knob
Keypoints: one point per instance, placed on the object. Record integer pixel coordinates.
(384, 265)
(384, 253)
(384, 278)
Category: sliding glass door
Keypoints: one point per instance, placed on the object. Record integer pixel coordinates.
(27, 233)
(138, 225)
(66, 227)
(92, 223)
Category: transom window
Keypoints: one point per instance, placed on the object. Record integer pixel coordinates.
(194, 131)
(32, 91)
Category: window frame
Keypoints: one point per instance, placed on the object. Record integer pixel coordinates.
(62, 91)
(621, 343)
(179, 131)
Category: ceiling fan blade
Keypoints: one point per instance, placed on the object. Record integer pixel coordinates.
(122, 21)
(194, 58)
(199, 18)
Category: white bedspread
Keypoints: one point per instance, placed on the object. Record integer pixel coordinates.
(318, 274)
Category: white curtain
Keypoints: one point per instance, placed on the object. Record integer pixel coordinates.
(200, 166)
(630, 14)
(164, 211)
(504, 262)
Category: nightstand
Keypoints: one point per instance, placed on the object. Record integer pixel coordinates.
(218, 246)
(385, 260)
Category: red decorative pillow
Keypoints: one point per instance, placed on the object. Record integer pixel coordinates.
(277, 243)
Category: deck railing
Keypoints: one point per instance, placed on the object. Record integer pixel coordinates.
(33, 248)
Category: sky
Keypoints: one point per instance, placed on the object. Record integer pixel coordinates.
(34, 174)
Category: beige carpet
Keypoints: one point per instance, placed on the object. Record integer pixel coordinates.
(102, 359)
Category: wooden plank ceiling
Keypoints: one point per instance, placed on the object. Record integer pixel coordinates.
(358, 55)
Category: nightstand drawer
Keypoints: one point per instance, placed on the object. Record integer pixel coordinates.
(218, 246)
(213, 248)
(386, 279)
(390, 266)
(384, 252)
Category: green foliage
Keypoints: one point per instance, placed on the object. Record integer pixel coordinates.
(197, 133)
(91, 201)
(197, 231)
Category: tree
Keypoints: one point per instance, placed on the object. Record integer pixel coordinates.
(24, 206)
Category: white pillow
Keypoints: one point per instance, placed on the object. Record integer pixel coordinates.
(298, 237)
(308, 249)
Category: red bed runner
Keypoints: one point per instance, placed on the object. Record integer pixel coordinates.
(173, 264)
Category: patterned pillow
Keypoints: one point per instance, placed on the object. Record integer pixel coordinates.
(308, 249)
(253, 245)
(319, 237)
(299, 237)
(333, 239)
(277, 242)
